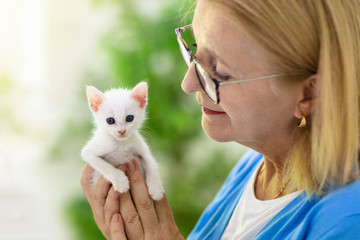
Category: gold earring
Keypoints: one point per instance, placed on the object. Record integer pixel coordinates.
(302, 123)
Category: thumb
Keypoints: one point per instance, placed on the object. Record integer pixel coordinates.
(117, 227)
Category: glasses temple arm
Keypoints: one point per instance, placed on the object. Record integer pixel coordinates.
(248, 79)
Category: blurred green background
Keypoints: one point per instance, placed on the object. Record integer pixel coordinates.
(141, 44)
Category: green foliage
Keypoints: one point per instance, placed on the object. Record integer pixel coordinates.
(79, 214)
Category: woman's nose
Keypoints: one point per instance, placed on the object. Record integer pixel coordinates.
(191, 82)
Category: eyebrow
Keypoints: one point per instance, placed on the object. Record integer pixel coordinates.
(213, 54)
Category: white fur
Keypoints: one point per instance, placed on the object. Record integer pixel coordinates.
(107, 148)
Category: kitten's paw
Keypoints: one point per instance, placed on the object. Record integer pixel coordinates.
(156, 190)
(121, 183)
(95, 178)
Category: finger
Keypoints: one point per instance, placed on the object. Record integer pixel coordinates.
(85, 179)
(140, 195)
(98, 198)
(122, 167)
(117, 228)
(111, 205)
(93, 199)
(101, 190)
(133, 227)
(163, 211)
(130, 217)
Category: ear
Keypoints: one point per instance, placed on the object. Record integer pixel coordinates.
(307, 97)
(95, 98)
(140, 93)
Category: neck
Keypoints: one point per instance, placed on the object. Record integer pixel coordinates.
(269, 181)
(275, 149)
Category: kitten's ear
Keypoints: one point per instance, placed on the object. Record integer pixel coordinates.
(140, 93)
(95, 98)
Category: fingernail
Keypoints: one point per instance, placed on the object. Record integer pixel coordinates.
(122, 168)
(131, 165)
(115, 218)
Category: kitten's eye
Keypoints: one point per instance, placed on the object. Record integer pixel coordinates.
(110, 120)
(129, 118)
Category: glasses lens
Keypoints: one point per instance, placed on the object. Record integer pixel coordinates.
(184, 52)
(207, 84)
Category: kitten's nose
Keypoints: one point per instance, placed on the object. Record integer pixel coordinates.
(122, 132)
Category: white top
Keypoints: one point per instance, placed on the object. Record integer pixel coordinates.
(251, 214)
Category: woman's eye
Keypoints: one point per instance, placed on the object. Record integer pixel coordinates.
(110, 120)
(214, 72)
(129, 118)
(218, 75)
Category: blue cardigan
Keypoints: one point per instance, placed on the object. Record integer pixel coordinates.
(333, 216)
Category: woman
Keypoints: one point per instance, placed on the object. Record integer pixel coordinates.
(280, 77)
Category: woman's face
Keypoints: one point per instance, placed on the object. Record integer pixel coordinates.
(251, 113)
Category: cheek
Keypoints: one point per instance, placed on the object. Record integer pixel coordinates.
(256, 118)
(113, 129)
(129, 127)
(134, 125)
(237, 106)
(249, 101)
(247, 114)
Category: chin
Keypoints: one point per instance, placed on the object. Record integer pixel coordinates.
(217, 133)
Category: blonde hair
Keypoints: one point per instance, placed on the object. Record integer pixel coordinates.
(307, 37)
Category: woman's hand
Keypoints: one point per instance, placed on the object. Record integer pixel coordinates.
(103, 199)
(131, 215)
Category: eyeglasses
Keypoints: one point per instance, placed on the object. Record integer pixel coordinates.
(210, 85)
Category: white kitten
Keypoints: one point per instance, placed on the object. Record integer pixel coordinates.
(118, 115)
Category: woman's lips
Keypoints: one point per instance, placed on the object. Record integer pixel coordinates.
(211, 112)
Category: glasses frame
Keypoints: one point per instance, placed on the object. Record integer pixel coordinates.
(206, 75)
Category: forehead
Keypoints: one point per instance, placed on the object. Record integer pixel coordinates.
(211, 19)
(215, 30)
